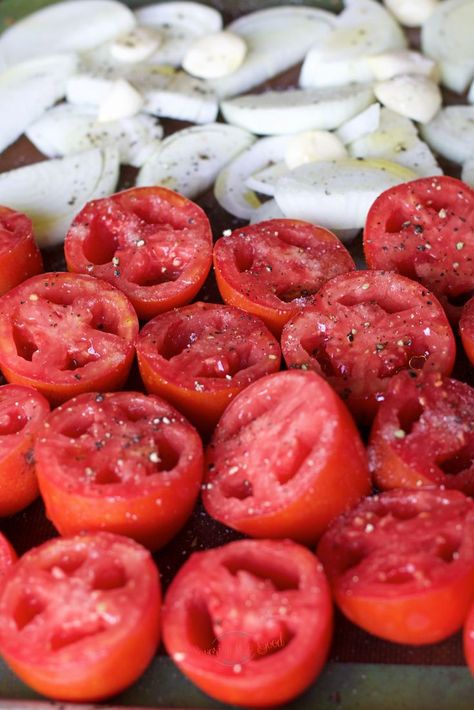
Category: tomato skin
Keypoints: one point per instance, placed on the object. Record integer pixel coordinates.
(65, 334)
(466, 328)
(142, 482)
(22, 412)
(401, 564)
(271, 269)
(277, 466)
(131, 239)
(7, 556)
(20, 257)
(423, 435)
(184, 356)
(469, 640)
(363, 328)
(268, 658)
(117, 620)
(424, 229)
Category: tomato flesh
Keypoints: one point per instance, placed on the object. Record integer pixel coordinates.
(424, 229)
(272, 269)
(7, 555)
(466, 328)
(80, 617)
(424, 434)
(401, 564)
(22, 412)
(124, 462)
(151, 243)
(200, 356)
(20, 257)
(279, 466)
(250, 622)
(365, 327)
(65, 334)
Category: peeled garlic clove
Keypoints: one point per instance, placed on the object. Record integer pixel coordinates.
(411, 95)
(411, 13)
(311, 146)
(136, 46)
(215, 55)
(401, 61)
(121, 101)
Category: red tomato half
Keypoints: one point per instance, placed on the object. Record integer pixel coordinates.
(285, 459)
(401, 564)
(466, 327)
(20, 257)
(365, 327)
(424, 434)
(7, 555)
(123, 462)
(424, 229)
(272, 269)
(80, 616)
(250, 622)
(199, 357)
(65, 334)
(469, 640)
(150, 242)
(22, 412)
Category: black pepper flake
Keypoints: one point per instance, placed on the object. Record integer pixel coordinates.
(419, 229)
(77, 377)
(99, 398)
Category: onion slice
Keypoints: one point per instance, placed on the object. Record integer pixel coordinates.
(451, 133)
(468, 172)
(53, 191)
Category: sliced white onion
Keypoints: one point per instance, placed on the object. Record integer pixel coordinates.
(230, 188)
(52, 192)
(268, 210)
(122, 100)
(67, 129)
(397, 140)
(135, 46)
(214, 56)
(337, 194)
(411, 95)
(179, 25)
(401, 61)
(28, 89)
(188, 161)
(360, 125)
(77, 25)
(451, 133)
(468, 172)
(412, 13)
(446, 37)
(283, 112)
(277, 38)
(362, 29)
(264, 181)
(311, 146)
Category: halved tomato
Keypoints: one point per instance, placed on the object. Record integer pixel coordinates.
(200, 356)
(20, 257)
(22, 412)
(80, 616)
(150, 242)
(466, 328)
(401, 564)
(285, 459)
(272, 269)
(469, 640)
(365, 327)
(250, 623)
(124, 462)
(65, 334)
(7, 555)
(424, 229)
(424, 434)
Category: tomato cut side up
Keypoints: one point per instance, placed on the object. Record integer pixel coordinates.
(424, 229)
(469, 640)
(123, 462)
(200, 356)
(272, 269)
(7, 555)
(250, 623)
(424, 434)
(365, 327)
(80, 616)
(401, 564)
(285, 459)
(150, 242)
(20, 257)
(22, 412)
(466, 328)
(65, 334)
